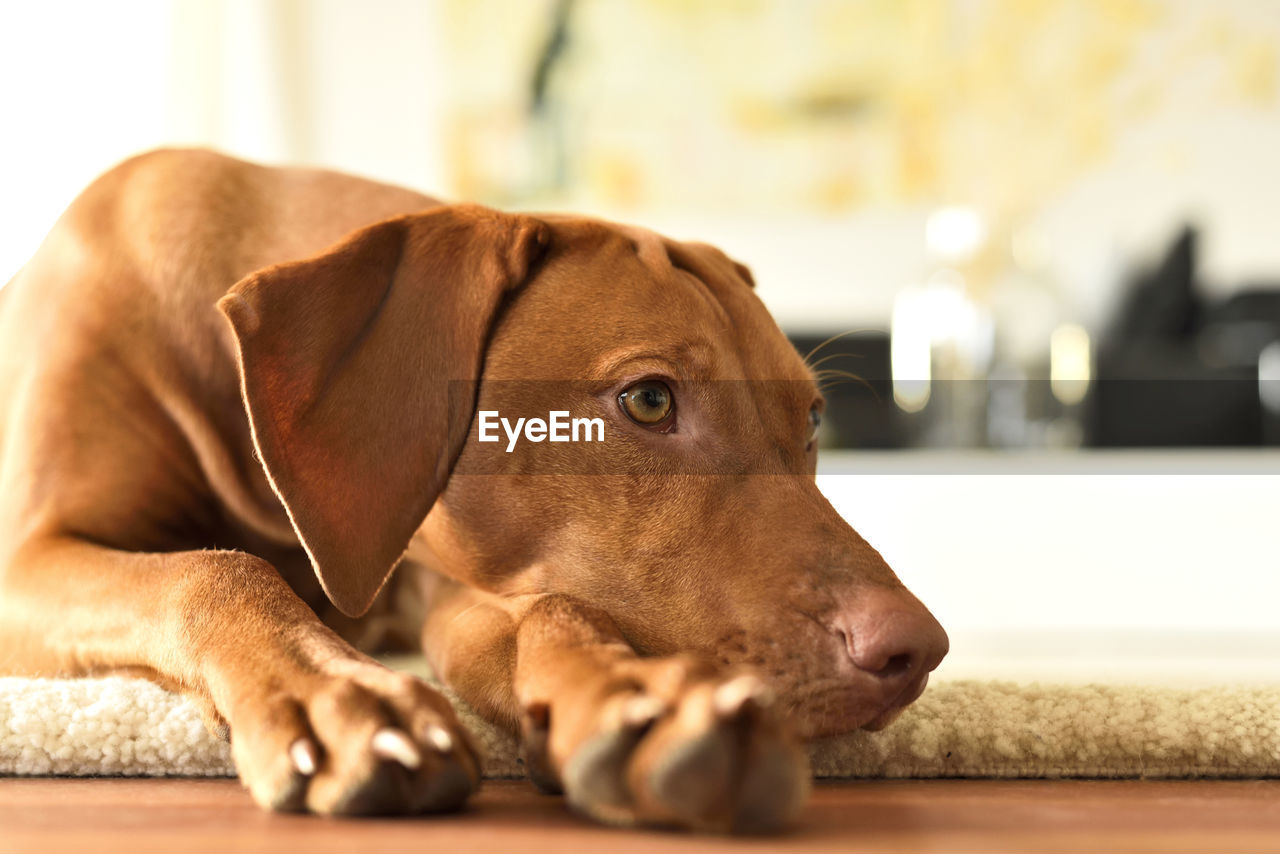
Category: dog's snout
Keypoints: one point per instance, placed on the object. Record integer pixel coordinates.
(890, 635)
(896, 644)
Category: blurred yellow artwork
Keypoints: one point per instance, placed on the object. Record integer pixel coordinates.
(825, 105)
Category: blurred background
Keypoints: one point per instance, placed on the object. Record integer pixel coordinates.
(1019, 233)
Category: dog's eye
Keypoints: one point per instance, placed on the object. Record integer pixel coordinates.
(647, 403)
(815, 421)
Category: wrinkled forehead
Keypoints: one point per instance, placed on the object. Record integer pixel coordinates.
(607, 292)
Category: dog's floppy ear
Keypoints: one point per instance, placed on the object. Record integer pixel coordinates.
(704, 260)
(346, 360)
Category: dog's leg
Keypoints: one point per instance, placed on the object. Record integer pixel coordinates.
(314, 724)
(630, 740)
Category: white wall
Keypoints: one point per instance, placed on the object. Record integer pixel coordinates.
(352, 85)
(362, 86)
(84, 85)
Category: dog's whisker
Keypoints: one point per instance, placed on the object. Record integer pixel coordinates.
(830, 357)
(822, 377)
(832, 340)
(836, 372)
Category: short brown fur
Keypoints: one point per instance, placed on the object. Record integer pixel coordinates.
(234, 398)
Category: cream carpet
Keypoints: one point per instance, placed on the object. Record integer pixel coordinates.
(965, 728)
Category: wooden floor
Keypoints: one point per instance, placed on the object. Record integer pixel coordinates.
(187, 817)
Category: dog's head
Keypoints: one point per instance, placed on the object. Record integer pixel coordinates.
(690, 515)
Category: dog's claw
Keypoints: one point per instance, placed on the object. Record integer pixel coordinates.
(715, 757)
(392, 744)
(642, 711)
(438, 737)
(305, 756)
(730, 697)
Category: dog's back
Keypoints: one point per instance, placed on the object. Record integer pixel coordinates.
(118, 374)
(184, 225)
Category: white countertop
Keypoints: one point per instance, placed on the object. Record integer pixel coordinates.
(1098, 564)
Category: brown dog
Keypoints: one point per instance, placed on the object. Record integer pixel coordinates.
(228, 403)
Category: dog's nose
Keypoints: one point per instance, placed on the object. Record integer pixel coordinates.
(891, 636)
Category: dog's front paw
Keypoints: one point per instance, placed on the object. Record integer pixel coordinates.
(364, 741)
(669, 745)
